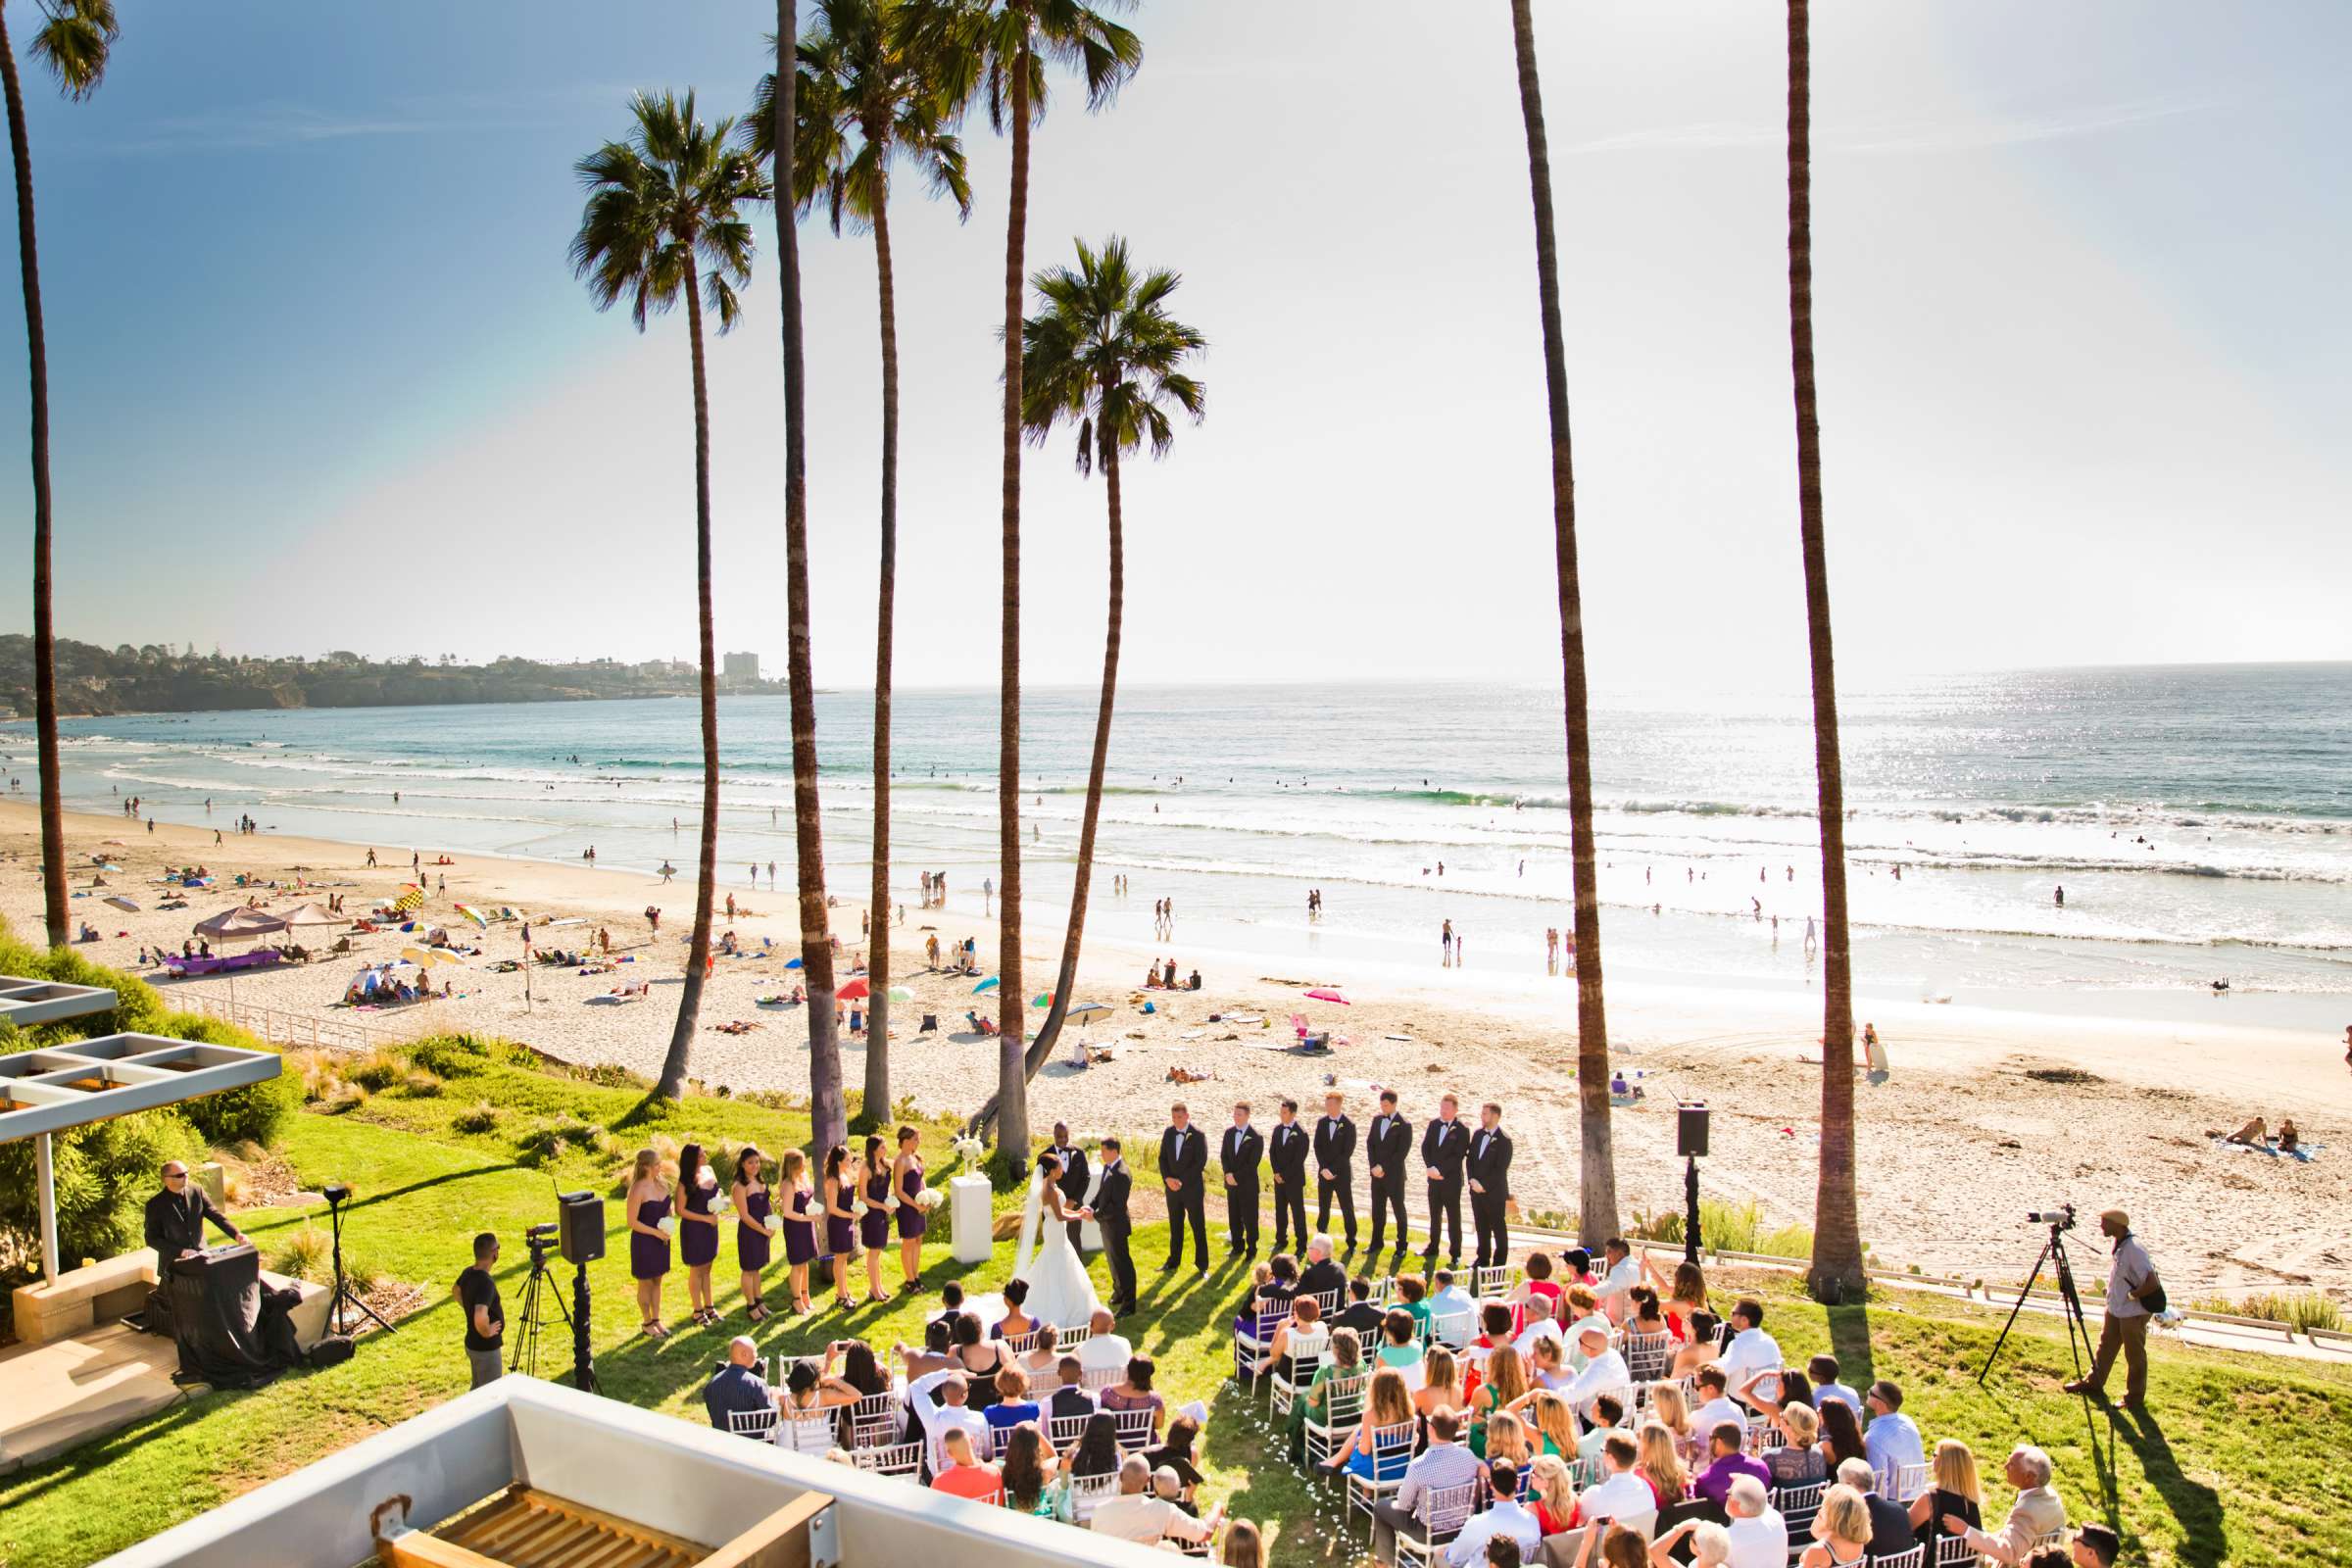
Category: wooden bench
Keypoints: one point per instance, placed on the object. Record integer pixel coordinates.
(81, 1298)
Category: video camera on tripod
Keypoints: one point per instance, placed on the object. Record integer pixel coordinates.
(2061, 1218)
(2059, 1221)
(577, 1234)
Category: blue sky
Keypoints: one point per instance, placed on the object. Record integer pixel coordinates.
(322, 378)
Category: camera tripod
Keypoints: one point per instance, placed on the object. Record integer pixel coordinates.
(536, 1295)
(2079, 1342)
(345, 1300)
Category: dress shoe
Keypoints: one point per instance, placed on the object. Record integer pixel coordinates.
(2082, 1385)
(1169, 1267)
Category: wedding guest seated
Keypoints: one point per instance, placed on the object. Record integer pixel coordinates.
(979, 1361)
(1889, 1521)
(1798, 1461)
(1669, 1408)
(1016, 1322)
(965, 1475)
(1751, 1351)
(936, 1355)
(1073, 1397)
(1729, 1462)
(1304, 1322)
(1621, 1494)
(1175, 1454)
(1822, 1370)
(1503, 1517)
(1097, 1452)
(1620, 1274)
(1548, 1366)
(1401, 1347)
(1344, 1361)
(1604, 1368)
(941, 1402)
(1509, 1441)
(2036, 1512)
(1552, 1493)
(1891, 1439)
(1135, 1394)
(1442, 1383)
(737, 1385)
(1535, 1281)
(951, 1305)
(1168, 1487)
(1608, 1413)
(1455, 1308)
(1493, 1332)
(1043, 1360)
(1012, 1405)
(1502, 1383)
(1030, 1474)
(1360, 1315)
(1323, 1277)
(1540, 1325)
(1842, 1435)
(1715, 1403)
(1659, 1461)
(1275, 1284)
(1136, 1515)
(2096, 1546)
(1103, 1348)
(1550, 1426)
(1445, 1462)
(1954, 1490)
(1388, 1404)
(1840, 1530)
(1710, 1546)
(1645, 1317)
(1759, 1534)
(1414, 1291)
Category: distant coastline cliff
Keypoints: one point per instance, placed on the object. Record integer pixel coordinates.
(153, 680)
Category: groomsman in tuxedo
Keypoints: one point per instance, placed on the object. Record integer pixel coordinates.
(1238, 1157)
(1444, 1149)
(1335, 1172)
(1388, 1149)
(1110, 1218)
(1489, 1170)
(1183, 1157)
(1286, 1154)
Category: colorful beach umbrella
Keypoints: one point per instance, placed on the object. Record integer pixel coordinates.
(239, 921)
(1044, 999)
(1086, 1009)
(855, 991)
(474, 915)
(122, 902)
(311, 915)
(989, 984)
(900, 994)
(1329, 996)
(412, 897)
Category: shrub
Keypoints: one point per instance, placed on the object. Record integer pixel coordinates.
(449, 1056)
(421, 1082)
(481, 1117)
(104, 1173)
(550, 1141)
(2304, 1310)
(1734, 1227)
(378, 1071)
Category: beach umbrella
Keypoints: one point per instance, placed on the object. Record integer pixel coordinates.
(1044, 999)
(122, 902)
(1089, 1009)
(426, 958)
(900, 994)
(989, 984)
(792, 963)
(855, 991)
(311, 915)
(412, 897)
(474, 915)
(239, 921)
(1329, 996)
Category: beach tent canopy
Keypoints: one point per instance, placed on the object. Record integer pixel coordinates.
(240, 921)
(311, 915)
(46, 1092)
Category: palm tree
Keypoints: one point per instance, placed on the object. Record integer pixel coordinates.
(1597, 1208)
(1106, 355)
(864, 101)
(998, 49)
(826, 1110)
(1837, 1270)
(73, 42)
(663, 220)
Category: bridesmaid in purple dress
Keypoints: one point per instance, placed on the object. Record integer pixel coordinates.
(698, 1231)
(840, 1220)
(649, 1204)
(752, 1241)
(800, 1228)
(907, 1171)
(873, 1219)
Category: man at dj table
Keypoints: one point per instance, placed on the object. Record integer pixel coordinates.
(175, 1219)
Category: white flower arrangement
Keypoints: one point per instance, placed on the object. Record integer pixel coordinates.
(927, 1200)
(969, 1150)
(667, 1225)
(775, 1224)
(720, 1206)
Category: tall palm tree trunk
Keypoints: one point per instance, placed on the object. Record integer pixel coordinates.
(1837, 1270)
(826, 1111)
(1596, 1209)
(44, 633)
(698, 946)
(1067, 976)
(1013, 1080)
(877, 959)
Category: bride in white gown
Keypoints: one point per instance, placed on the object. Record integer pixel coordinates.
(1059, 1291)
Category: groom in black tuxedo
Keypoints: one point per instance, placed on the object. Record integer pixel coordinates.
(1183, 1157)
(1110, 1218)
(1444, 1150)
(1074, 1180)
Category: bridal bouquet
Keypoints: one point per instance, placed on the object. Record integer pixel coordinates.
(775, 1224)
(721, 1205)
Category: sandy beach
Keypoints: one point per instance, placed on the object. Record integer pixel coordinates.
(1986, 1113)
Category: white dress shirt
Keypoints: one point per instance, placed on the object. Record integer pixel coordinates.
(1603, 1372)
(1142, 1517)
(1712, 1415)
(1542, 1329)
(1504, 1518)
(1621, 1497)
(1751, 1351)
(1456, 1305)
(1099, 1353)
(1759, 1543)
(1890, 1442)
(1614, 1285)
(939, 1418)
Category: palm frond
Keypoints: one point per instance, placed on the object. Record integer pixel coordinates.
(74, 41)
(1103, 354)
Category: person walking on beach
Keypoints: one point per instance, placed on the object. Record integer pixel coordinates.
(372, 859)
(1811, 941)
(1445, 943)
(988, 893)
(2061, 899)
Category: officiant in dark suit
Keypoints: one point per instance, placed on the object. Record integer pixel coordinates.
(1076, 1179)
(1335, 1167)
(1183, 1159)
(1110, 1218)
(1240, 1152)
(1490, 1171)
(1444, 1149)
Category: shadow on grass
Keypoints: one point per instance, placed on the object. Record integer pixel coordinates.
(2194, 1506)
(1849, 1343)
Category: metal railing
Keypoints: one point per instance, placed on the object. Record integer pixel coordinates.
(278, 1027)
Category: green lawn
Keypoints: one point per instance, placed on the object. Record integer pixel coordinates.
(2249, 1465)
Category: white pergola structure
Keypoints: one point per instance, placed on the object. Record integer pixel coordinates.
(25, 1003)
(43, 1092)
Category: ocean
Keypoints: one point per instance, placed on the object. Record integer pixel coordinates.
(2198, 818)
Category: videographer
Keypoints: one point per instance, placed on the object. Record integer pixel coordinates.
(2132, 1294)
(485, 1314)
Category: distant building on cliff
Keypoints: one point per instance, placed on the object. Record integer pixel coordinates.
(739, 668)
